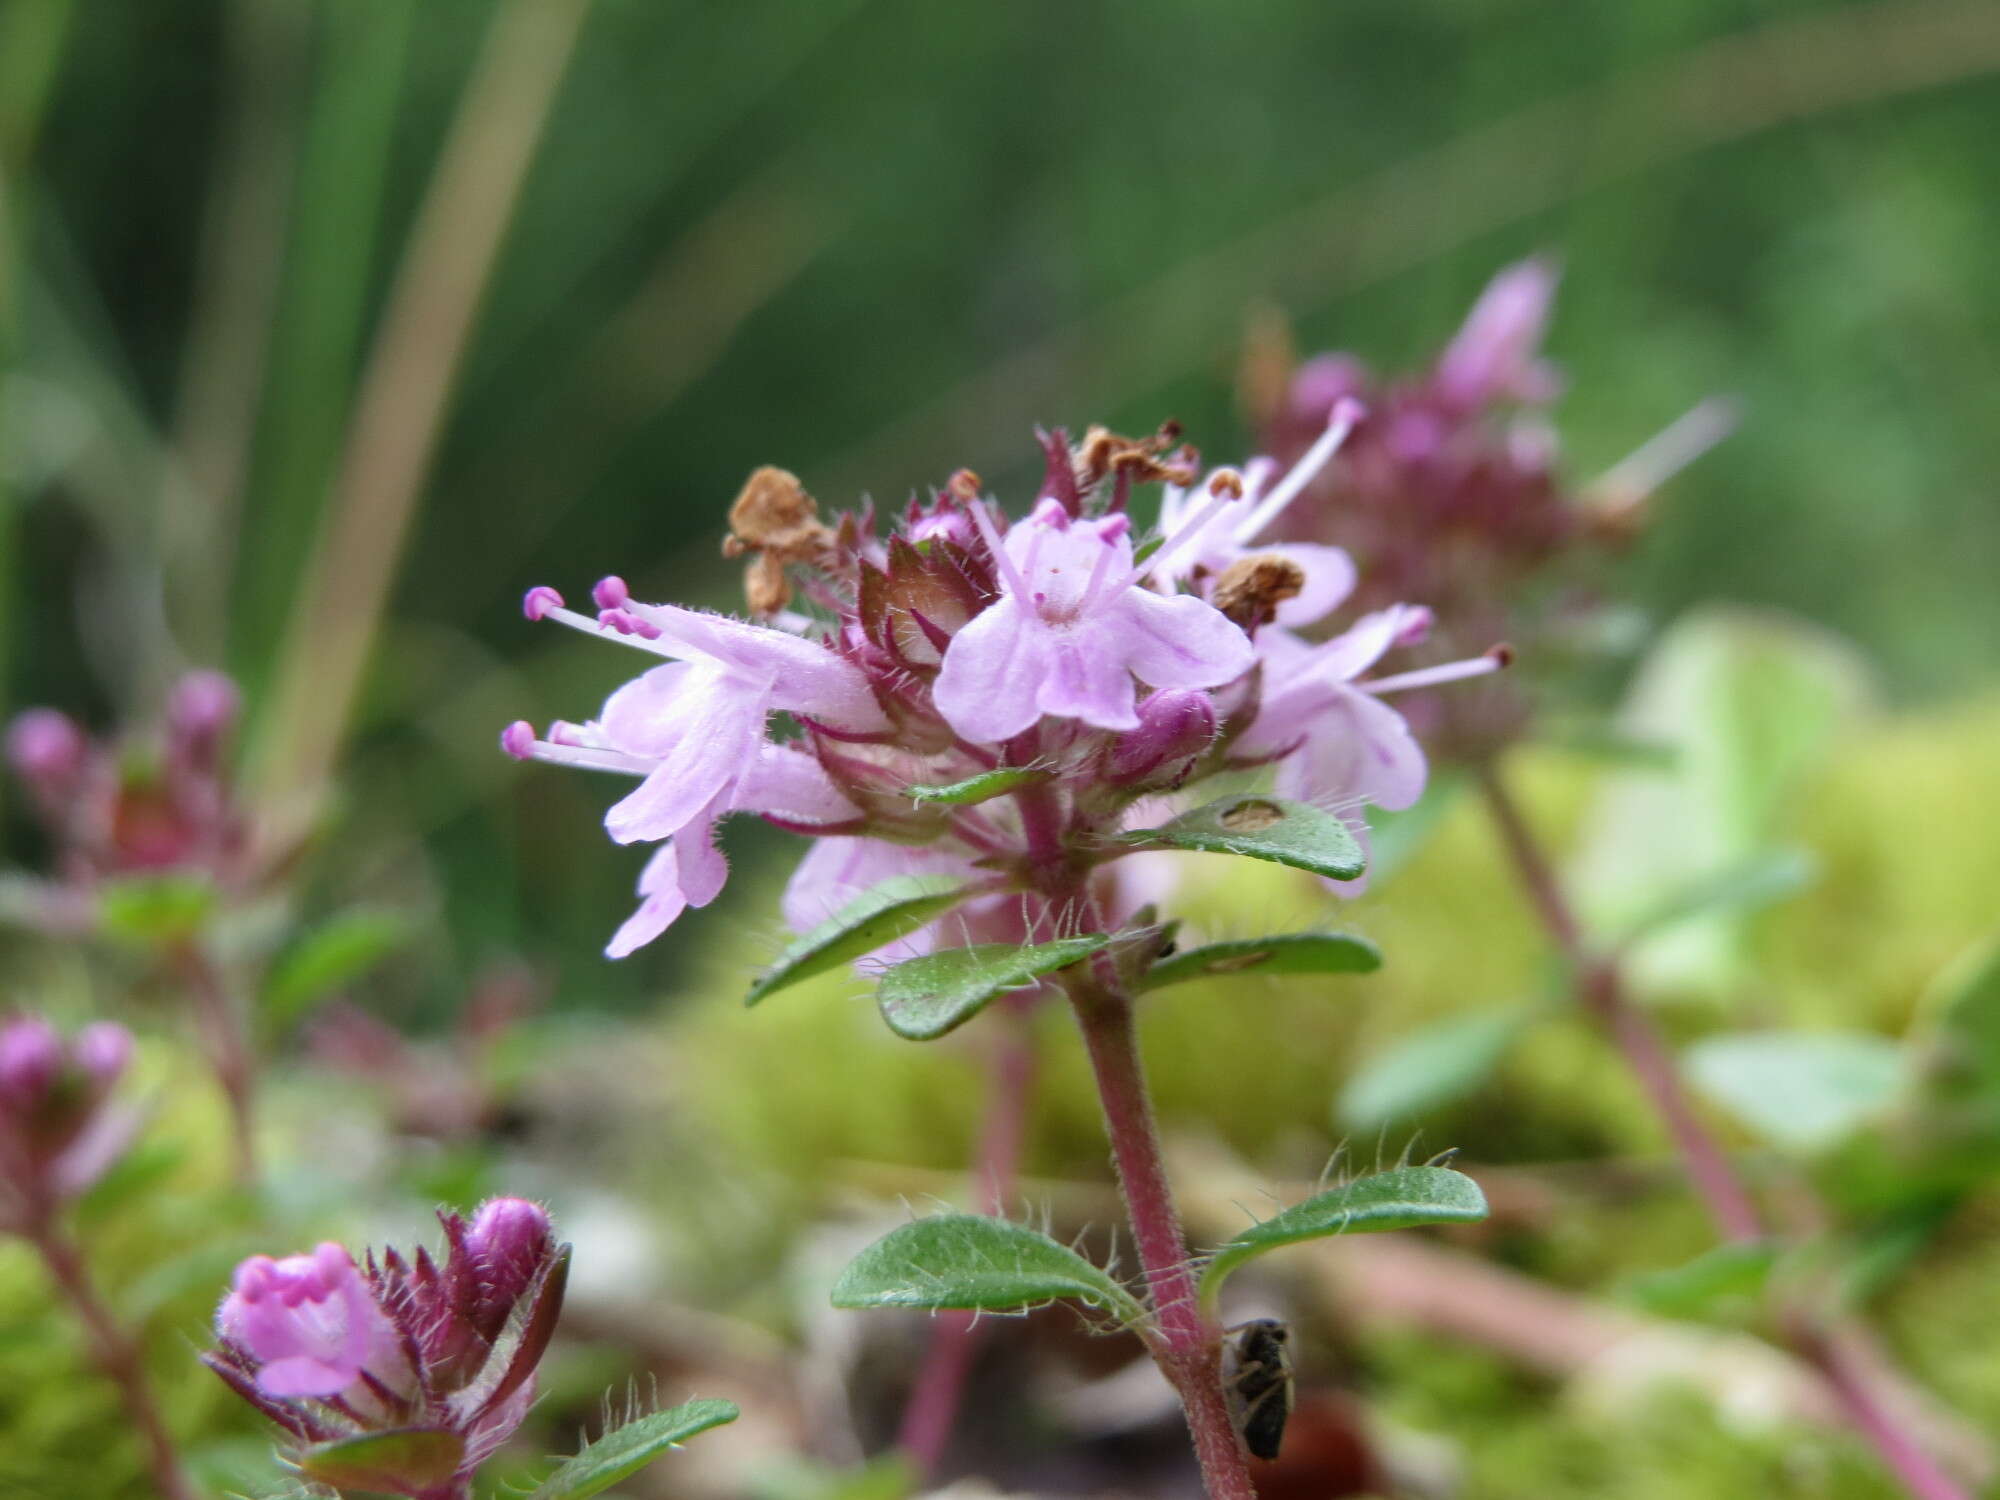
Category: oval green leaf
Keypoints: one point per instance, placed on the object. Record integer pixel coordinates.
(880, 914)
(929, 996)
(1432, 1066)
(1695, 1289)
(628, 1449)
(1803, 1091)
(981, 788)
(405, 1461)
(1400, 1199)
(973, 1262)
(1257, 827)
(1287, 953)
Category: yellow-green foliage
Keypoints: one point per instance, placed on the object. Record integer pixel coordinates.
(1909, 872)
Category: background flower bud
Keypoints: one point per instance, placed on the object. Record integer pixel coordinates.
(31, 1059)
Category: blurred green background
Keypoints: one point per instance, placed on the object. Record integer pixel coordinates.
(328, 328)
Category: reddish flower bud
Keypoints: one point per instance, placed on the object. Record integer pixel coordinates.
(1175, 726)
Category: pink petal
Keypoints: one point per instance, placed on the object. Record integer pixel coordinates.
(721, 725)
(654, 916)
(793, 785)
(987, 686)
(700, 869)
(1348, 655)
(1359, 749)
(1177, 641)
(1087, 680)
(810, 679)
(301, 1375)
(644, 716)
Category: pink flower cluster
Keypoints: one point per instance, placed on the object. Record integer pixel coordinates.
(1450, 490)
(59, 1128)
(119, 809)
(1104, 665)
(332, 1350)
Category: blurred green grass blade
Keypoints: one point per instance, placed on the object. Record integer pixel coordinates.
(330, 267)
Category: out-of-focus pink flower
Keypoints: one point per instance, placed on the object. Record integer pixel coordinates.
(59, 1128)
(1493, 356)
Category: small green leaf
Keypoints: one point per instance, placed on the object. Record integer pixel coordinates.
(1955, 1052)
(880, 914)
(1285, 953)
(926, 997)
(981, 788)
(1274, 828)
(1398, 1199)
(626, 1450)
(405, 1461)
(337, 953)
(1726, 1273)
(1432, 1066)
(1758, 881)
(1802, 1090)
(148, 909)
(970, 1261)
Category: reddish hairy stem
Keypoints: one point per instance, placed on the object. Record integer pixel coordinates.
(1599, 988)
(117, 1356)
(1185, 1345)
(934, 1400)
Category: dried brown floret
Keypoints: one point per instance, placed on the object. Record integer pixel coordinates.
(1251, 588)
(775, 518)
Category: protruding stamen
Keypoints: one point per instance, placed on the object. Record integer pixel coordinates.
(1497, 659)
(1346, 413)
(1010, 575)
(610, 592)
(539, 600)
(518, 740)
(626, 623)
(1629, 482)
(1225, 488)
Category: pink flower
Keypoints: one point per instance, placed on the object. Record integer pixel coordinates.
(1071, 631)
(309, 1320)
(696, 726)
(329, 1349)
(1493, 356)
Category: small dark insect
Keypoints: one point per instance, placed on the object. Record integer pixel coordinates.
(1260, 1384)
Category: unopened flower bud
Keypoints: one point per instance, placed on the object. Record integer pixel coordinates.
(509, 1238)
(46, 748)
(31, 1060)
(1175, 726)
(202, 706)
(103, 1050)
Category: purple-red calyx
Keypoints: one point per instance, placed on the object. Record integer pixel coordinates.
(1110, 663)
(331, 1348)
